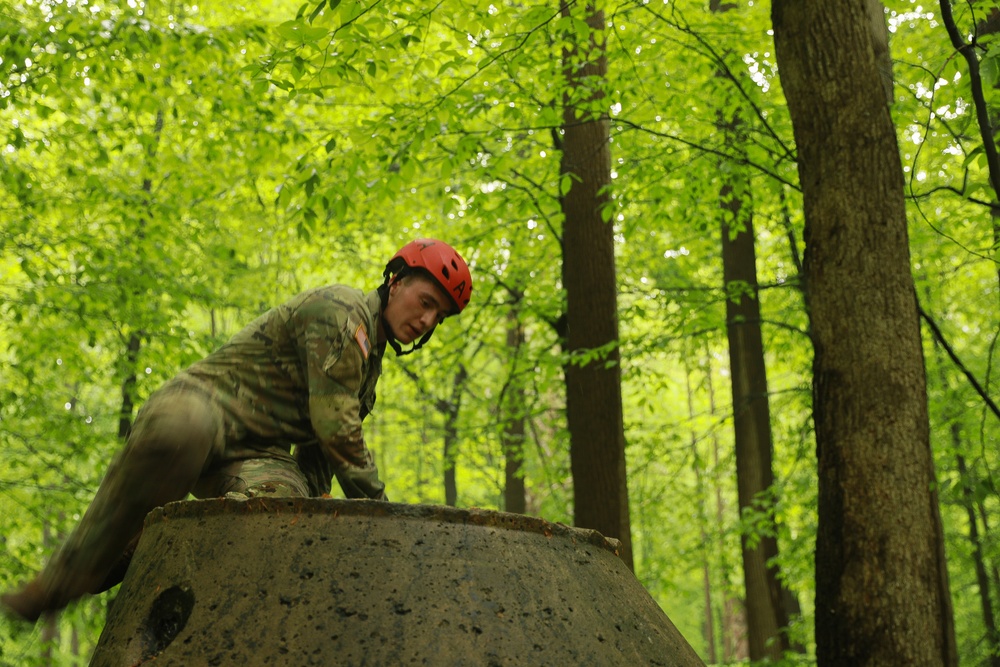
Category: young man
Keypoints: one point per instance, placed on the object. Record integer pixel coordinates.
(302, 374)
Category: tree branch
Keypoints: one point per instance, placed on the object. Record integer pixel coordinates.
(939, 337)
(968, 51)
(711, 151)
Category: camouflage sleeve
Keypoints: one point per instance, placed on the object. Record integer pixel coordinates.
(334, 372)
(315, 465)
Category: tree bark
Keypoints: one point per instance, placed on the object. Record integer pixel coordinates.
(767, 617)
(513, 423)
(882, 594)
(450, 409)
(593, 385)
(134, 342)
(132, 348)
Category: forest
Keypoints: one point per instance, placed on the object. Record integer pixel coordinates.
(735, 270)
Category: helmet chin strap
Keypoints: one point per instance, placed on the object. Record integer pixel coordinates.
(397, 348)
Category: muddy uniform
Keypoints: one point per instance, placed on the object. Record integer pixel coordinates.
(303, 374)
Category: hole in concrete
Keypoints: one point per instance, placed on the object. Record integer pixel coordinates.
(167, 617)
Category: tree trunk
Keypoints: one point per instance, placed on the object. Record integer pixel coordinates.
(513, 423)
(593, 385)
(134, 342)
(882, 595)
(450, 409)
(705, 524)
(128, 385)
(968, 500)
(982, 576)
(994, 573)
(732, 622)
(767, 618)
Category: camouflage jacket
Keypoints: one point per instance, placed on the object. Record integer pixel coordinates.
(305, 373)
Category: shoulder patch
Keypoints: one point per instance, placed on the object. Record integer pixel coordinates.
(361, 338)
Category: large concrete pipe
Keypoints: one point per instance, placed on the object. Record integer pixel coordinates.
(340, 582)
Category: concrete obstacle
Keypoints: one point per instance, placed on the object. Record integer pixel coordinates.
(308, 581)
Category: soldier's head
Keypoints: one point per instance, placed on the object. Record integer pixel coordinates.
(425, 282)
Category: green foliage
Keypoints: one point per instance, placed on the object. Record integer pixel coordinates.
(167, 176)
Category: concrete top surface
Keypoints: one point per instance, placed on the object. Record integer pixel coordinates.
(271, 581)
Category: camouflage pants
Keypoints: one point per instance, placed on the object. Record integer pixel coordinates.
(249, 478)
(177, 446)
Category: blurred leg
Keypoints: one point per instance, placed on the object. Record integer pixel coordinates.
(173, 438)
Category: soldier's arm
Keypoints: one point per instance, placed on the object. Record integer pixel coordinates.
(333, 363)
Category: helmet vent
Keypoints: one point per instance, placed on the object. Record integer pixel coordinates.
(444, 270)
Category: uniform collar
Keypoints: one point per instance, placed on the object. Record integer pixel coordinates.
(374, 302)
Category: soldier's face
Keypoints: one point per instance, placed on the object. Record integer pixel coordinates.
(416, 305)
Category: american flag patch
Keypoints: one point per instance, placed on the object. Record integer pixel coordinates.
(362, 338)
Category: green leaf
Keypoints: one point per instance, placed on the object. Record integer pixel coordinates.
(316, 12)
(973, 154)
(607, 211)
(565, 184)
(311, 183)
(297, 31)
(447, 167)
(284, 197)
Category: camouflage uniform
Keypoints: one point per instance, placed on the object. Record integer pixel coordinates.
(303, 373)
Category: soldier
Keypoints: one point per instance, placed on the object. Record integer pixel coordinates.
(301, 374)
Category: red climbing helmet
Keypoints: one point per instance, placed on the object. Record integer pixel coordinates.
(443, 264)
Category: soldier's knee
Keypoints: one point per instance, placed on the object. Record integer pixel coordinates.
(179, 422)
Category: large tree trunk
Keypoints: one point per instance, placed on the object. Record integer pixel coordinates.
(882, 594)
(593, 386)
